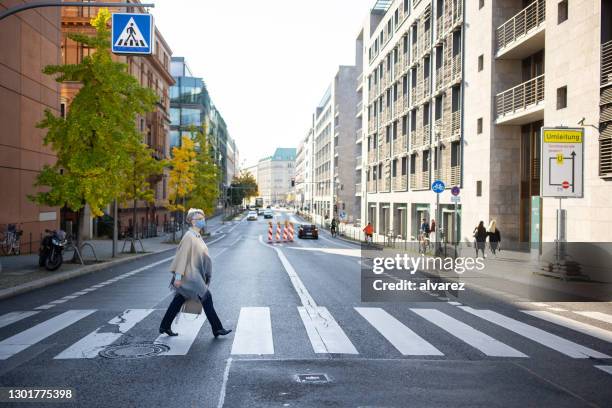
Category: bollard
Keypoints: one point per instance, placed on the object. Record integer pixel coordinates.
(270, 232)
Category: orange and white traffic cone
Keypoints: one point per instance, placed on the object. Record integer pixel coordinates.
(270, 232)
(278, 228)
(290, 232)
(285, 233)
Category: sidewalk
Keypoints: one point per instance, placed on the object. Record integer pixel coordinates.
(19, 274)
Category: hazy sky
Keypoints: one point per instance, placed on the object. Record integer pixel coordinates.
(266, 63)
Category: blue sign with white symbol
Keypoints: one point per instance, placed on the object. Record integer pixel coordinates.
(455, 191)
(132, 33)
(437, 186)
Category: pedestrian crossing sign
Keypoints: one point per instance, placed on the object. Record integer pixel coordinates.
(132, 33)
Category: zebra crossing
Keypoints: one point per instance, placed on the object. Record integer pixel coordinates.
(254, 334)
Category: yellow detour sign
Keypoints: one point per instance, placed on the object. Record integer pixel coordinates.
(562, 163)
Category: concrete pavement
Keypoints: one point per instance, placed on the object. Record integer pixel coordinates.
(295, 309)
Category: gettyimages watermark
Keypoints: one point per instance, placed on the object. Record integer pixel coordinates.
(572, 272)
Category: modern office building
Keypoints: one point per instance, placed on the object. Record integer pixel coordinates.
(29, 41)
(191, 108)
(153, 72)
(274, 176)
(335, 127)
(460, 94)
(303, 186)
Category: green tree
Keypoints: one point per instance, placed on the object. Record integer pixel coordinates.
(94, 142)
(243, 187)
(206, 183)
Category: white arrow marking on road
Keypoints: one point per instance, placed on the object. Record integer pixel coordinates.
(607, 369)
(588, 329)
(187, 329)
(90, 345)
(21, 341)
(546, 339)
(403, 339)
(253, 332)
(487, 344)
(13, 317)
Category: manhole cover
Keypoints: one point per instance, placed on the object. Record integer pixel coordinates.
(312, 378)
(135, 350)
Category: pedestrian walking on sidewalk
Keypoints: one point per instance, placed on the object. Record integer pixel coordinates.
(494, 237)
(368, 231)
(191, 273)
(480, 238)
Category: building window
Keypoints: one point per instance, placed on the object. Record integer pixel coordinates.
(455, 154)
(479, 188)
(562, 97)
(480, 4)
(562, 12)
(394, 168)
(425, 161)
(480, 62)
(413, 163)
(404, 165)
(479, 126)
(605, 151)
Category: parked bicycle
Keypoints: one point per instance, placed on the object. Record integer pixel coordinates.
(10, 241)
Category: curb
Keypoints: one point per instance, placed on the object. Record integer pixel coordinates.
(63, 276)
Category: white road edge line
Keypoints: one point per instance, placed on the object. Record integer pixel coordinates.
(224, 383)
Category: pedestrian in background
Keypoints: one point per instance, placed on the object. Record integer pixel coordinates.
(368, 230)
(191, 273)
(494, 237)
(480, 238)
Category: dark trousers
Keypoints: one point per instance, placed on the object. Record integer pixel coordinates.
(209, 311)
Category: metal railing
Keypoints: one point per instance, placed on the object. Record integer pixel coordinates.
(456, 67)
(359, 134)
(372, 156)
(520, 97)
(358, 161)
(372, 186)
(606, 63)
(400, 183)
(455, 122)
(359, 107)
(521, 23)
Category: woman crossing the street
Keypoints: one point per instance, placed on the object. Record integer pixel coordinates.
(191, 273)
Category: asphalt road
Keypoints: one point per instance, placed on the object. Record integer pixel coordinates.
(296, 314)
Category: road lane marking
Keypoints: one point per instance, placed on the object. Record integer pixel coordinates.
(320, 321)
(607, 369)
(546, 339)
(21, 341)
(253, 332)
(224, 383)
(597, 315)
(187, 329)
(587, 329)
(486, 344)
(44, 307)
(90, 345)
(399, 335)
(13, 317)
(325, 334)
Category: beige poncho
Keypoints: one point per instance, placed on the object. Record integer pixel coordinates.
(194, 264)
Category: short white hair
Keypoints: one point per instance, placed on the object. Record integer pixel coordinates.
(193, 212)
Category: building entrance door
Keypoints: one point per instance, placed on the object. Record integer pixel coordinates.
(530, 175)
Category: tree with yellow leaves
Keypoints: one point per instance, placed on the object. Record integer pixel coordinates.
(182, 174)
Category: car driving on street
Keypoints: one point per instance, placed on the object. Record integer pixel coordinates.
(268, 213)
(252, 216)
(308, 231)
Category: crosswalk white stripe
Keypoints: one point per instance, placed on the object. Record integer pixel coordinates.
(13, 317)
(607, 369)
(253, 332)
(403, 339)
(325, 334)
(45, 307)
(598, 316)
(485, 343)
(588, 329)
(546, 339)
(90, 345)
(187, 329)
(33, 335)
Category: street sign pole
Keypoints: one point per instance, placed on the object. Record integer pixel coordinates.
(438, 187)
(455, 192)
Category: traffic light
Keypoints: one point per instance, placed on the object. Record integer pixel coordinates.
(292, 182)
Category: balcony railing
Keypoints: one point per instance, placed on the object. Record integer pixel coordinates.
(520, 97)
(372, 186)
(359, 107)
(455, 123)
(372, 125)
(400, 183)
(422, 181)
(412, 179)
(439, 27)
(385, 150)
(606, 63)
(521, 24)
(359, 80)
(372, 156)
(456, 67)
(451, 176)
(399, 145)
(358, 162)
(359, 134)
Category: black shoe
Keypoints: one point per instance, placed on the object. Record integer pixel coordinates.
(169, 332)
(222, 332)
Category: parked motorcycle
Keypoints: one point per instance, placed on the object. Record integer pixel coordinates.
(51, 249)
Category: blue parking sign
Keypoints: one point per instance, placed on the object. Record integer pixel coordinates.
(438, 186)
(132, 33)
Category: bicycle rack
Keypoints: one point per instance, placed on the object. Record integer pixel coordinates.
(132, 241)
(88, 245)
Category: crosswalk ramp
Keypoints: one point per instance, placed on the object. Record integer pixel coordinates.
(418, 332)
